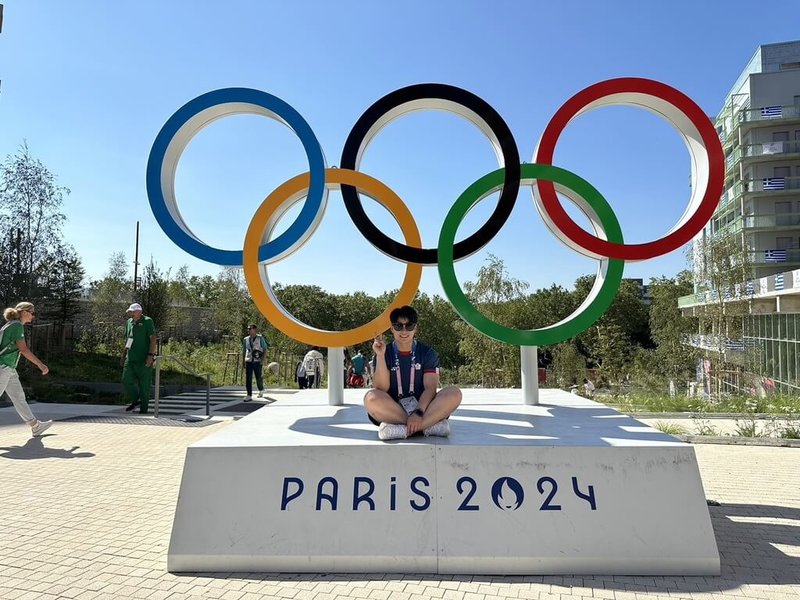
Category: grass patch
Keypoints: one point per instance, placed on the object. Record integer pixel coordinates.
(88, 378)
(650, 402)
(669, 428)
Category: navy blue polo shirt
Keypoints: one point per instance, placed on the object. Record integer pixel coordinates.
(425, 361)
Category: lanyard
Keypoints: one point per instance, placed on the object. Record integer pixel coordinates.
(411, 371)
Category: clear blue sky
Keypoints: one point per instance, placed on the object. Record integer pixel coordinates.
(89, 84)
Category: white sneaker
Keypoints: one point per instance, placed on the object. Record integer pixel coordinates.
(440, 429)
(248, 399)
(392, 431)
(40, 427)
(260, 393)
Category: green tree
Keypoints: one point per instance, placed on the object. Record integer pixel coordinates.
(500, 298)
(722, 268)
(569, 365)
(612, 340)
(613, 352)
(669, 328)
(153, 295)
(30, 226)
(110, 297)
(232, 305)
(64, 283)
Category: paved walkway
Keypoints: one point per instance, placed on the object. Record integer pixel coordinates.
(86, 512)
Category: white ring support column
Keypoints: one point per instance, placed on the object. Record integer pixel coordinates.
(336, 376)
(529, 365)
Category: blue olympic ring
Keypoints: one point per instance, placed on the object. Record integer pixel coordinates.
(173, 139)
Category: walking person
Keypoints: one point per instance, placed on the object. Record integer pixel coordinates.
(12, 346)
(137, 358)
(254, 347)
(314, 365)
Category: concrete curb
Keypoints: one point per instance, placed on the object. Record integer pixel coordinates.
(690, 415)
(732, 440)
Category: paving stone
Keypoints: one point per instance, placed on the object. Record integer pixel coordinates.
(97, 526)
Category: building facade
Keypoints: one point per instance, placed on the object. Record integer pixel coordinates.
(759, 127)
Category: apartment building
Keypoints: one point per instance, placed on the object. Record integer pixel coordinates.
(759, 126)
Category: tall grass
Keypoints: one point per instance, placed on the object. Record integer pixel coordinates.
(654, 402)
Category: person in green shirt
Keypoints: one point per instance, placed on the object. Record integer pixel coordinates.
(137, 358)
(12, 346)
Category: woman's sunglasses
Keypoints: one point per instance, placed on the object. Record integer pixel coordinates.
(406, 326)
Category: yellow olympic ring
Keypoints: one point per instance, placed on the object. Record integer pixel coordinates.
(265, 220)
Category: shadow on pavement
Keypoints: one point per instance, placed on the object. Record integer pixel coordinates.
(34, 448)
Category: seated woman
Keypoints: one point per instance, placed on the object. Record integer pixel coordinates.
(405, 400)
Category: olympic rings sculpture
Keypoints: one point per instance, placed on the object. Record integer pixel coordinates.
(606, 244)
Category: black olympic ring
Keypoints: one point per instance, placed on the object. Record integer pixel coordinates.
(374, 119)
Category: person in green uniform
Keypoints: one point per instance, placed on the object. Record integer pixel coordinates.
(138, 357)
(12, 346)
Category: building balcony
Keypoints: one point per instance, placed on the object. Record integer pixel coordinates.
(763, 152)
(714, 343)
(771, 185)
(748, 119)
(772, 115)
(779, 186)
(770, 221)
(789, 256)
(787, 282)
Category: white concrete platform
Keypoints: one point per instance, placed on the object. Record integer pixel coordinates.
(569, 486)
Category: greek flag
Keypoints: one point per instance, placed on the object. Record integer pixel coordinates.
(774, 255)
(749, 288)
(735, 345)
(772, 112)
(774, 183)
(778, 281)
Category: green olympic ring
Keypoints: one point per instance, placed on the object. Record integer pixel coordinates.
(609, 274)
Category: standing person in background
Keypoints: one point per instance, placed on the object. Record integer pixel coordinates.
(347, 367)
(137, 358)
(12, 346)
(314, 365)
(300, 375)
(254, 346)
(359, 363)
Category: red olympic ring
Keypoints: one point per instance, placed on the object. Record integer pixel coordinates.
(637, 92)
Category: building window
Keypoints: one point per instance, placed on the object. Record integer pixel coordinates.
(783, 243)
(782, 172)
(783, 214)
(780, 136)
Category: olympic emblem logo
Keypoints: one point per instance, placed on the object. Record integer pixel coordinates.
(545, 180)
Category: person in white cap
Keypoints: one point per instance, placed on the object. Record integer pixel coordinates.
(12, 346)
(137, 358)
